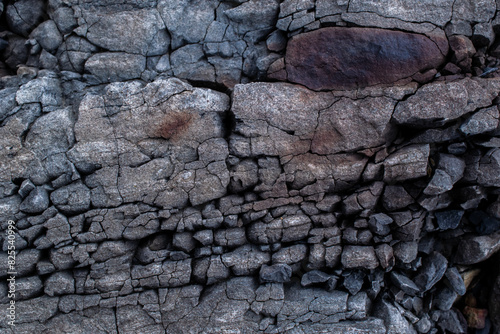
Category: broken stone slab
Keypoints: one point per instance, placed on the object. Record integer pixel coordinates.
(433, 269)
(407, 163)
(359, 257)
(449, 220)
(141, 31)
(394, 321)
(290, 119)
(487, 171)
(475, 249)
(440, 102)
(404, 283)
(346, 58)
(116, 66)
(36, 202)
(276, 273)
(450, 170)
(482, 121)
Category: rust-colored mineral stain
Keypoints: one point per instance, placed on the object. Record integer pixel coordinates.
(174, 125)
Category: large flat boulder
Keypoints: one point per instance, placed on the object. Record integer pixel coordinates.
(346, 58)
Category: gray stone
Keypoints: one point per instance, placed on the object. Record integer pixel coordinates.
(404, 283)
(116, 66)
(22, 16)
(385, 255)
(276, 41)
(379, 223)
(58, 230)
(276, 273)
(48, 36)
(64, 19)
(132, 319)
(244, 175)
(353, 281)
(451, 321)
(17, 52)
(424, 325)
(450, 170)
(393, 319)
(141, 32)
(444, 299)
(188, 62)
(489, 165)
(92, 319)
(396, 198)
(440, 102)
(8, 96)
(45, 90)
(359, 257)
(28, 287)
(475, 249)
(433, 11)
(187, 22)
(253, 19)
(407, 163)
(349, 118)
(477, 11)
(231, 237)
(74, 52)
(60, 283)
(245, 260)
(290, 255)
(448, 220)
(26, 261)
(184, 241)
(432, 270)
(483, 34)
(440, 183)
(36, 202)
(205, 237)
(71, 199)
(406, 252)
(289, 7)
(314, 277)
(482, 121)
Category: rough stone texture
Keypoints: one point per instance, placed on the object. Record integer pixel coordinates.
(159, 182)
(346, 58)
(442, 102)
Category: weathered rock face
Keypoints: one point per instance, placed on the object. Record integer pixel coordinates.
(346, 58)
(156, 182)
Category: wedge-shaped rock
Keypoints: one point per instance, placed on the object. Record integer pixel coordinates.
(440, 102)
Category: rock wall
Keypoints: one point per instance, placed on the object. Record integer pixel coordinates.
(296, 166)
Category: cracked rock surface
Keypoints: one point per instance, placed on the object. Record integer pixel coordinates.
(293, 166)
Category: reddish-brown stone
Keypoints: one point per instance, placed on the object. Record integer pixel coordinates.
(347, 58)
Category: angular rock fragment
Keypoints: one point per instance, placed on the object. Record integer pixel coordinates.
(404, 283)
(407, 163)
(431, 272)
(359, 257)
(448, 220)
(347, 58)
(116, 66)
(484, 120)
(440, 102)
(393, 319)
(36, 202)
(475, 249)
(147, 24)
(276, 273)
